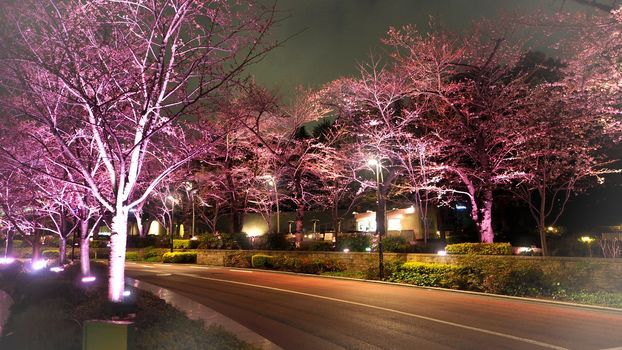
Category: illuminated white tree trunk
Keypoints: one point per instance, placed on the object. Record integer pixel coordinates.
(85, 259)
(485, 225)
(118, 237)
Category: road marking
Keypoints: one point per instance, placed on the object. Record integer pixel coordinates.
(618, 348)
(147, 266)
(448, 323)
(244, 271)
(164, 274)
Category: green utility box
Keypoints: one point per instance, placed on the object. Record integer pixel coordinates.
(108, 335)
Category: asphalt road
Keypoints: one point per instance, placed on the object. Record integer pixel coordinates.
(307, 312)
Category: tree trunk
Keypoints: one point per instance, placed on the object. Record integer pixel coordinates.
(238, 220)
(62, 250)
(36, 246)
(299, 224)
(381, 228)
(139, 224)
(542, 231)
(118, 240)
(485, 225)
(8, 247)
(85, 259)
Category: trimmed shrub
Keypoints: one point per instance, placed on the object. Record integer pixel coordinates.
(513, 277)
(356, 242)
(180, 257)
(396, 244)
(101, 243)
(262, 261)
(132, 256)
(480, 248)
(18, 243)
(151, 254)
(307, 264)
(429, 274)
(181, 243)
(317, 246)
(277, 241)
(238, 259)
(50, 254)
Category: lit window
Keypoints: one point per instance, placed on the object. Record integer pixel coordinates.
(395, 224)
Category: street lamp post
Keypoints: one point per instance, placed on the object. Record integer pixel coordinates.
(380, 214)
(172, 199)
(272, 182)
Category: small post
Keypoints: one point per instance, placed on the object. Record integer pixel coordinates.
(106, 335)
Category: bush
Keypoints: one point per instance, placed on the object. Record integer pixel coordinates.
(480, 248)
(180, 257)
(307, 264)
(262, 261)
(519, 281)
(50, 254)
(132, 256)
(238, 259)
(101, 243)
(317, 246)
(223, 241)
(354, 241)
(181, 243)
(429, 274)
(18, 243)
(277, 241)
(396, 244)
(150, 254)
(511, 277)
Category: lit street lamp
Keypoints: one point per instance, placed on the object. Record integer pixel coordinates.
(380, 213)
(272, 182)
(191, 192)
(587, 240)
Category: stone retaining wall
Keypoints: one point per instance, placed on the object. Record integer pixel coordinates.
(605, 274)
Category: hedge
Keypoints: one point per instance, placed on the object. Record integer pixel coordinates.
(297, 264)
(430, 275)
(507, 277)
(50, 254)
(132, 256)
(480, 248)
(180, 257)
(262, 261)
(185, 244)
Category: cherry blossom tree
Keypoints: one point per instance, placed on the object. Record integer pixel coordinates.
(476, 107)
(121, 74)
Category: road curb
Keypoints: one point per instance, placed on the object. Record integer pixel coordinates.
(195, 310)
(500, 296)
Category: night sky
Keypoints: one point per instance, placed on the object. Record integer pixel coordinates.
(335, 35)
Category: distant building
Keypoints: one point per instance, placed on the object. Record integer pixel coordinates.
(405, 222)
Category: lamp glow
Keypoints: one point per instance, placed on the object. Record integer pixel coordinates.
(368, 249)
(39, 264)
(127, 293)
(586, 239)
(346, 250)
(88, 279)
(441, 253)
(6, 261)
(57, 269)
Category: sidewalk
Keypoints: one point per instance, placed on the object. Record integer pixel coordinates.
(197, 311)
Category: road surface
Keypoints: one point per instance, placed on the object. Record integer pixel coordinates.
(307, 312)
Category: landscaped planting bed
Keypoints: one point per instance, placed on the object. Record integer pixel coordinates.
(50, 309)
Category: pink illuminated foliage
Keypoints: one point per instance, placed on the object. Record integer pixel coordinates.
(119, 76)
